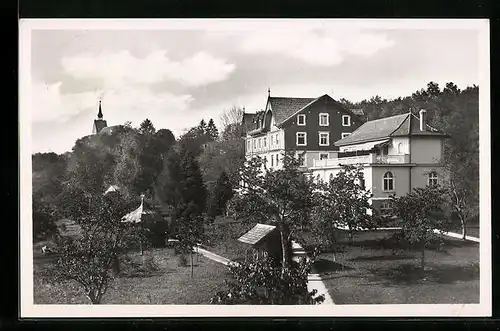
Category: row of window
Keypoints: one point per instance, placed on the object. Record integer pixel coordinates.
(259, 143)
(323, 138)
(324, 119)
(388, 180)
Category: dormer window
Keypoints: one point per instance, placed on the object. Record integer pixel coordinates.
(345, 134)
(346, 120)
(324, 119)
(301, 119)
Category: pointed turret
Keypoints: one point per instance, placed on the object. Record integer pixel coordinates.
(99, 114)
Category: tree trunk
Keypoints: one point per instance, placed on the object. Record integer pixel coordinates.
(284, 248)
(192, 267)
(464, 228)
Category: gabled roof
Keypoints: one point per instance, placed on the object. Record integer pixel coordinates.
(257, 233)
(393, 126)
(284, 107)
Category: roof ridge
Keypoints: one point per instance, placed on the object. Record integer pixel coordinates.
(384, 118)
(400, 124)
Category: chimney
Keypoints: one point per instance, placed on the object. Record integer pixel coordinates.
(423, 115)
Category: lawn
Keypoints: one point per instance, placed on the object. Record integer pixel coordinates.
(374, 270)
(223, 237)
(167, 283)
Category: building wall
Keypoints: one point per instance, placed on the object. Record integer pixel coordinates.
(399, 145)
(274, 143)
(426, 150)
(420, 175)
(312, 127)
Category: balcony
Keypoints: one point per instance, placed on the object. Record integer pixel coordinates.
(363, 159)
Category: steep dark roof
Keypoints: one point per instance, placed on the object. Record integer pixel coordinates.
(283, 107)
(256, 234)
(398, 125)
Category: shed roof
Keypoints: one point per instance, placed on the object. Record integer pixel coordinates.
(257, 233)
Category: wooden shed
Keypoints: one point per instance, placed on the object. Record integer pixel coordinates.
(264, 239)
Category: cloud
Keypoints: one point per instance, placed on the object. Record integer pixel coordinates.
(315, 47)
(118, 68)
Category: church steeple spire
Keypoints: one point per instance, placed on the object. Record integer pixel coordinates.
(99, 114)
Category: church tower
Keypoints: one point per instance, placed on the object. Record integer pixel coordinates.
(99, 123)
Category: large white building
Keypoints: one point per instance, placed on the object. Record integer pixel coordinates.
(397, 153)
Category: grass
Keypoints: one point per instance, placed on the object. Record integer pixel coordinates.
(375, 270)
(224, 234)
(165, 283)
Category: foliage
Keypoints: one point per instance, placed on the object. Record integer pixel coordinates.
(44, 217)
(48, 173)
(88, 260)
(261, 281)
(283, 197)
(221, 193)
(211, 131)
(344, 203)
(421, 213)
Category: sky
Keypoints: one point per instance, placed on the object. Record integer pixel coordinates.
(177, 76)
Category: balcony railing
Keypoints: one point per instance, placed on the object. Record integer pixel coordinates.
(363, 159)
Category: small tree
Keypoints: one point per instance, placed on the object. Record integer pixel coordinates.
(89, 258)
(220, 195)
(344, 202)
(282, 197)
(260, 281)
(211, 130)
(421, 213)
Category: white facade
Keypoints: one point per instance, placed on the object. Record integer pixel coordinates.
(410, 162)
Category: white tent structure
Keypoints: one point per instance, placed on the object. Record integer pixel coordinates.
(136, 215)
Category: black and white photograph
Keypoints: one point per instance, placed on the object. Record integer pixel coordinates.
(255, 167)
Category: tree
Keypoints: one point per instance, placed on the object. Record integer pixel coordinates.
(283, 197)
(88, 259)
(344, 202)
(147, 127)
(220, 195)
(231, 116)
(260, 281)
(211, 131)
(421, 214)
(190, 204)
(460, 192)
(44, 218)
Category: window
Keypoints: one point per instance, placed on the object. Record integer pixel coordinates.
(301, 139)
(346, 120)
(265, 142)
(361, 183)
(432, 179)
(318, 178)
(277, 139)
(259, 143)
(277, 159)
(324, 138)
(331, 177)
(253, 141)
(400, 147)
(301, 119)
(249, 145)
(385, 208)
(323, 119)
(345, 134)
(272, 161)
(323, 156)
(388, 181)
(385, 150)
